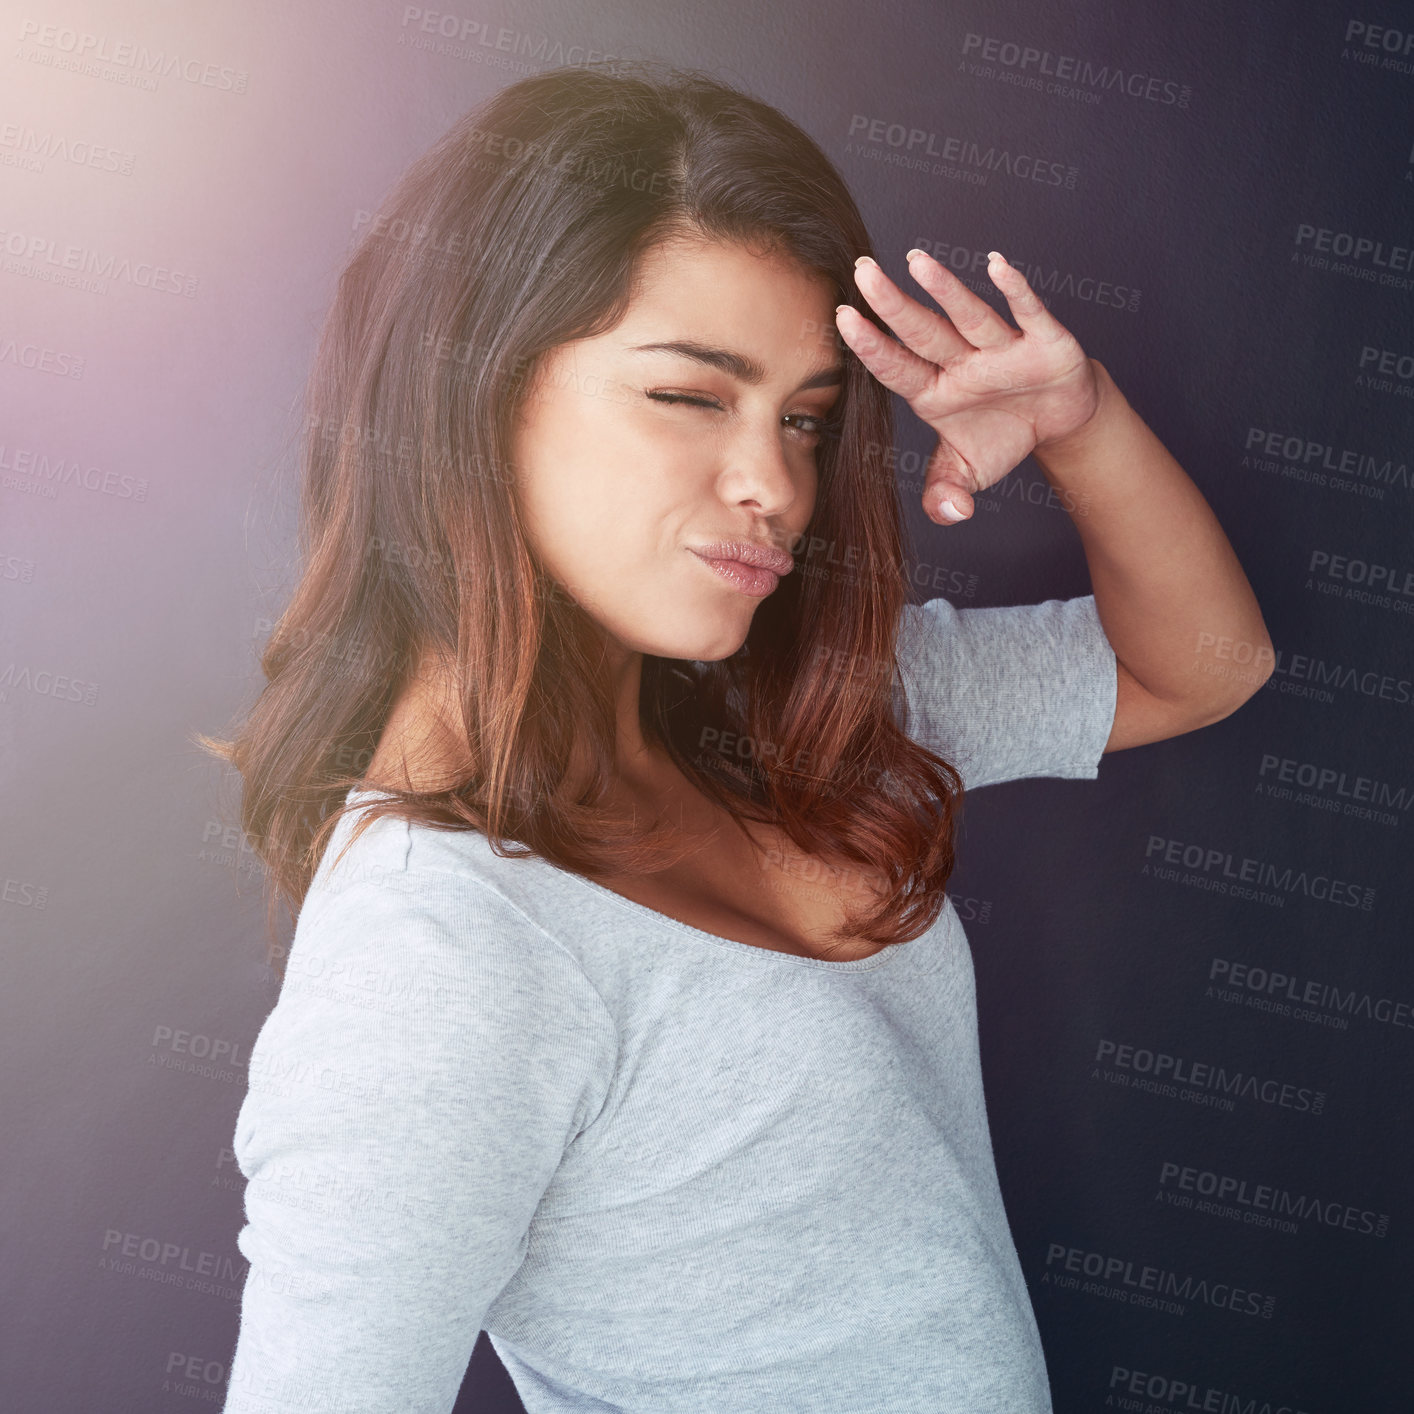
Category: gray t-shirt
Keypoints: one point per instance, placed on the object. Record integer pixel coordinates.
(664, 1171)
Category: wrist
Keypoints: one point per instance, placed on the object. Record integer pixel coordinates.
(1108, 403)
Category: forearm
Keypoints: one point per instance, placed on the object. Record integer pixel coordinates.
(1167, 584)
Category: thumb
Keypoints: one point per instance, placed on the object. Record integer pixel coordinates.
(945, 494)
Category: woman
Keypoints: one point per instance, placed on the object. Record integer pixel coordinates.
(680, 1098)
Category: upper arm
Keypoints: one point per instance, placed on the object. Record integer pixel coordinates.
(411, 1094)
(1011, 692)
(1141, 717)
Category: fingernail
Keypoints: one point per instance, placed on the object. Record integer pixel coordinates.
(948, 511)
(996, 254)
(913, 252)
(865, 260)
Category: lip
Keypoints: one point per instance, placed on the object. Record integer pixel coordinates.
(752, 569)
(749, 553)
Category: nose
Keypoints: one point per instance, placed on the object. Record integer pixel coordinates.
(762, 469)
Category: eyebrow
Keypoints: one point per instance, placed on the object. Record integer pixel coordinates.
(739, 365)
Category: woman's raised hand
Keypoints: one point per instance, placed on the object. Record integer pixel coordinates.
(992, 393)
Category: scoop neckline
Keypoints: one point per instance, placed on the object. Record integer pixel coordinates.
(858, 964)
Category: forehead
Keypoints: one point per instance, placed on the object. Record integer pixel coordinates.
(723, 293)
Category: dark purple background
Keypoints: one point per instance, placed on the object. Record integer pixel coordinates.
(147, 543)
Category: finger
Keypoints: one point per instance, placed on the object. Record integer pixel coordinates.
(1026, 305)
(971, 315)
(930, 389)
(946, 497)
(952, 503)
(926, 332)
(897, 368)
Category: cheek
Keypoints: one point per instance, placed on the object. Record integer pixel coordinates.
(605, 482)
(566, 450)
(624, 467)
(595, 505)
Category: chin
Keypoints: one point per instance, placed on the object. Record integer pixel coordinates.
(698, 647)
(711, 657)
(728, 639)
(698, 630)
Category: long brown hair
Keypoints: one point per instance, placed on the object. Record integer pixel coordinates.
(519, 230)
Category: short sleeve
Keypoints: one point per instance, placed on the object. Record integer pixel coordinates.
(1007, 693)
(429, 1059)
